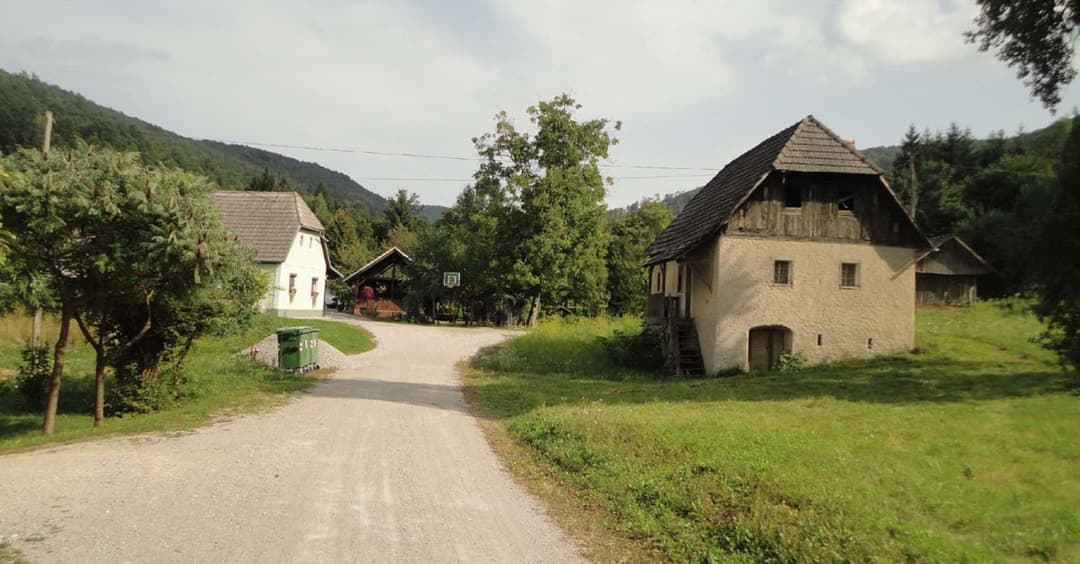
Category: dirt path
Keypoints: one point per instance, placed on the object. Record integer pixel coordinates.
(381, 464)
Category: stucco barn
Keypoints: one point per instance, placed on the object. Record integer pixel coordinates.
(796, 246)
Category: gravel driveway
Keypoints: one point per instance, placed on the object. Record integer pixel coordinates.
(383, 463)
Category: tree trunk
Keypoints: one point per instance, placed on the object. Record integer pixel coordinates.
(534, 311)
(99, 389)
(59, 353)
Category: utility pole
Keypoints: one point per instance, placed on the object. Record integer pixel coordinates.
(35, 338)
(914, 196)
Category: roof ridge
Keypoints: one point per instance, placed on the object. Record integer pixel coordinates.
(375, 260)
(850, 146)
(787, 142)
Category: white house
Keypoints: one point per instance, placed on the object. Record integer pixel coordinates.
(290, 245)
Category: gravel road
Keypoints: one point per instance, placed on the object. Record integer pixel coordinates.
(382, 463)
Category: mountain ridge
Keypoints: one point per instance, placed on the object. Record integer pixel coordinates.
(24, 98)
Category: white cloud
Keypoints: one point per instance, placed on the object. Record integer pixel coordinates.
(412, 76)
(907, 31)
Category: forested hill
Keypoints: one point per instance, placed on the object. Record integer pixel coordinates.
(24, 98)
(1046, 142)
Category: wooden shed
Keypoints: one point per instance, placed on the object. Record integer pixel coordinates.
(381, 285)
(949, 274)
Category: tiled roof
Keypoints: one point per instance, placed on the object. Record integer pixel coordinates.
(268, 221)
(806, 146)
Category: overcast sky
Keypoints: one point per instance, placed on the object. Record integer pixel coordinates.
(695, 83)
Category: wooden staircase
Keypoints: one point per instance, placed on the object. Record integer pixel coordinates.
(684, 349)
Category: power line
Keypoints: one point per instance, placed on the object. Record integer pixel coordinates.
(349, 150)
(406, 179)
(433, 156)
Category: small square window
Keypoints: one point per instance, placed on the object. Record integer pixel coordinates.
(849, 275)
(782, 272)
(792, 196)
(846, 199)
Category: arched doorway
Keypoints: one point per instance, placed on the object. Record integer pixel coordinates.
(767, 343)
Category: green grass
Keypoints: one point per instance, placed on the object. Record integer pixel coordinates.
(349, 339)
(965, 451)
(220, 381)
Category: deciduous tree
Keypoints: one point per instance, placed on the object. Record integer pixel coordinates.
(123, 247)
(1037, 37)
(558, 219)
(630, 234)
(1058, 275)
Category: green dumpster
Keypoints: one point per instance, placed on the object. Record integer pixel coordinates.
(309, 340)
(288, 339)
(298, 349)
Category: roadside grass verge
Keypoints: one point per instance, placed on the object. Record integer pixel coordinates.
(965, 451)
(349, 339)
(221, 380)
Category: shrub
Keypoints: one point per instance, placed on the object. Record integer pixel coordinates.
(32, 378)
(639, 349)
(791, 362)
(146, 392)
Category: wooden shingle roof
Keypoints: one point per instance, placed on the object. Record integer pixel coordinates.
(806, 146)
(267, 221)
(974, 264)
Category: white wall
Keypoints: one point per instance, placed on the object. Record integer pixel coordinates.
(306, 261)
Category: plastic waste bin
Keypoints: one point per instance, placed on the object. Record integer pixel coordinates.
(298, 349)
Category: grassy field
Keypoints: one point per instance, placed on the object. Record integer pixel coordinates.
(346, 338)
(964, 451)
(220, 382)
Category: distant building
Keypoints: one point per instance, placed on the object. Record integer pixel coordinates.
(796, 246)
(290, 246)
(949, 274)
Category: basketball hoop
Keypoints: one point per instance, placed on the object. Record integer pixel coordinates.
(451, 279)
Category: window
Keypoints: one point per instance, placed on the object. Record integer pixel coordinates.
(679, 287)
(782, 272)
(792, 196)
(315, 286)
(849, 275)
(846, 199)
(292, 285)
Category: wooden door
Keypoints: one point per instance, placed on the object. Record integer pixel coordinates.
(766, 346)
(760, 345)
